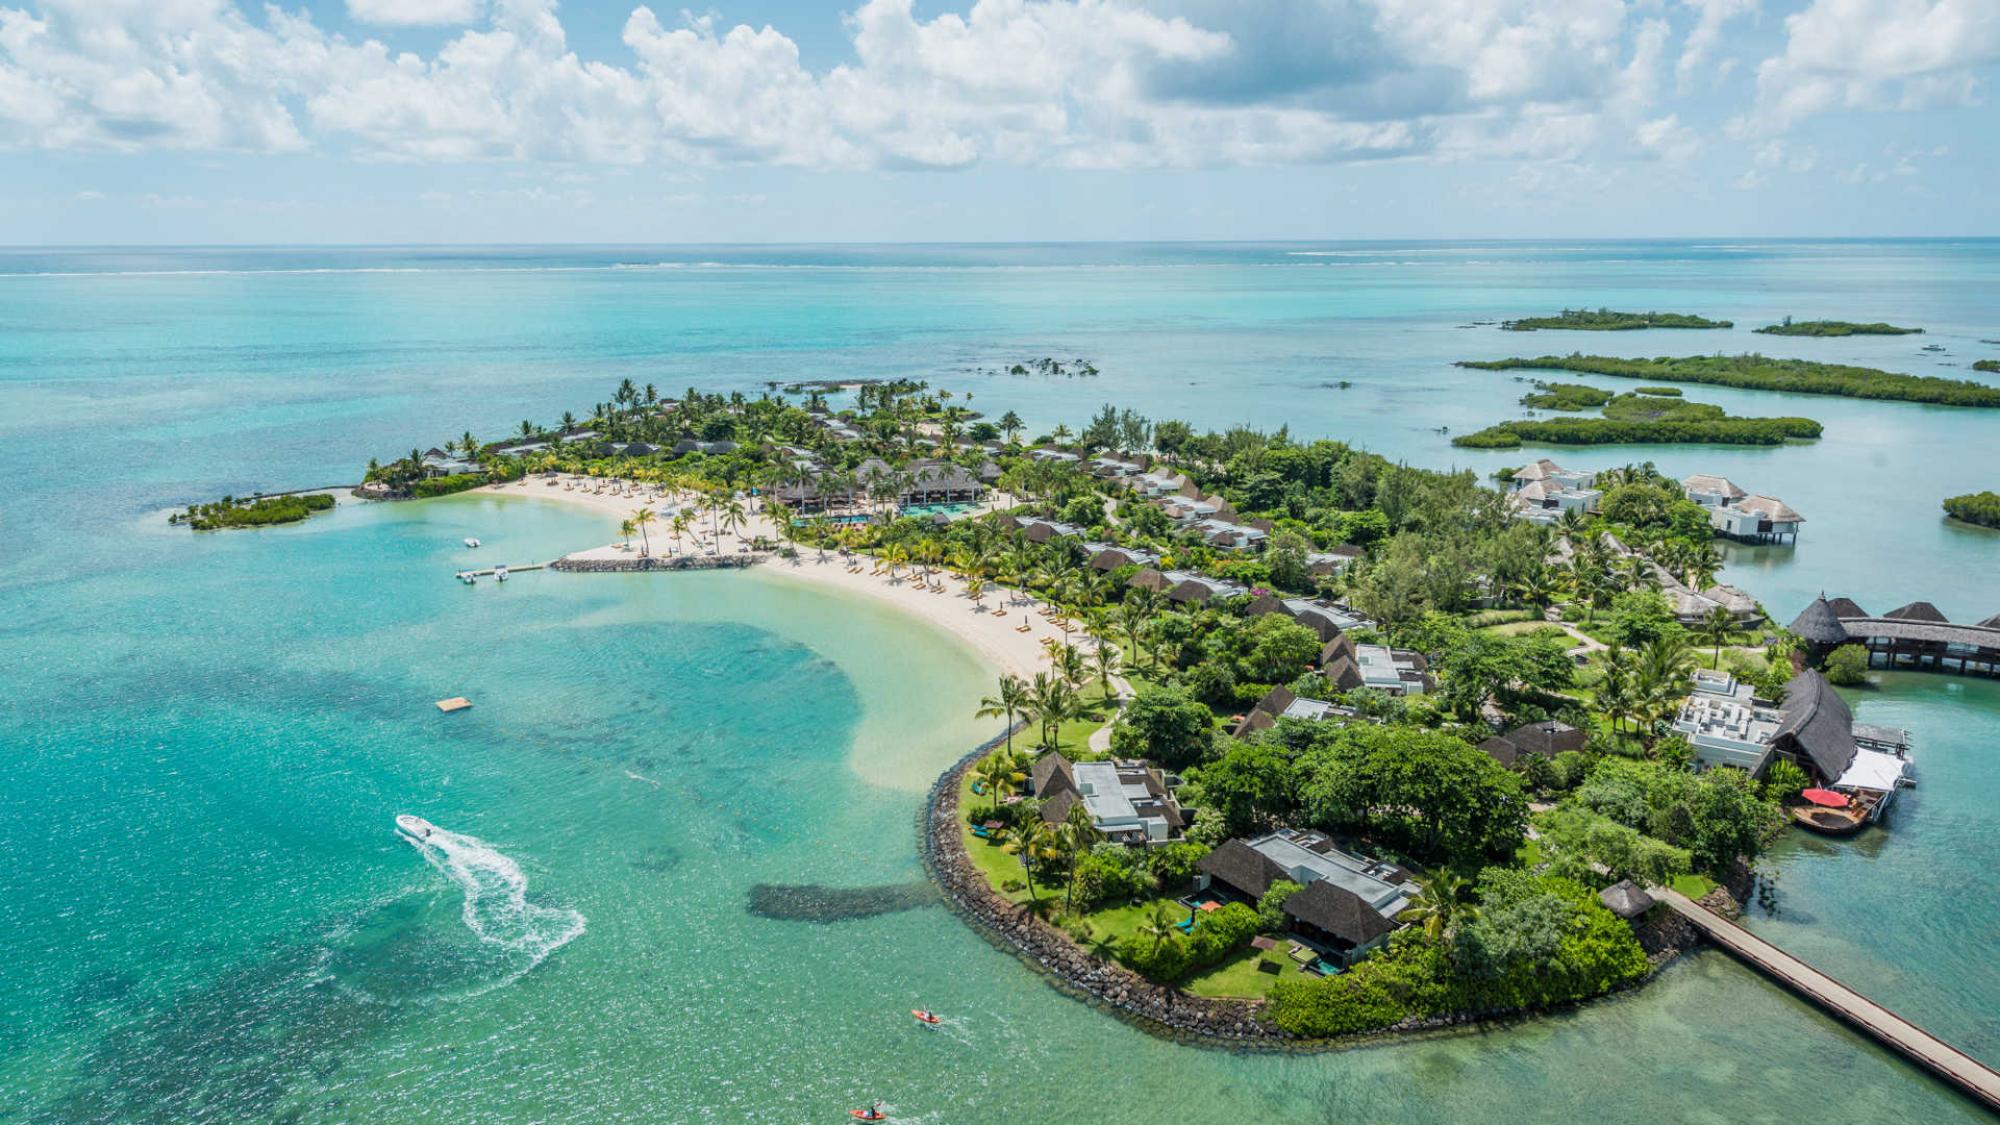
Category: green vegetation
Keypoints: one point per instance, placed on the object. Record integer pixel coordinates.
(1847, 666)
(1986, 365)
(1565, 396)
(1763, 373)
(1643, 418)
(1790, 327)
(1605, 320)
(1531, 941)
(1665, 392)
(1982, 508)
(259, 512)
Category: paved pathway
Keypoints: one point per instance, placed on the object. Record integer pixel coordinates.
(1969, 1075)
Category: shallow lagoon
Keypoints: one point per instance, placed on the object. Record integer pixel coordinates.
(206, 737)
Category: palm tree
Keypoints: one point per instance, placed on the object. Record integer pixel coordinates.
(1105, 656)
(733, 516)
(1032, 839)
(625, 531)
(994, 772)
(679, 524)
(1614, 690)
(641, 519)
(1716, 627)
(1011, 700)
(1441, 905)
(1703, 561)
(1160, 924)
(1660, 681)
(975, 588)
(1052, 701)
(1074, 837)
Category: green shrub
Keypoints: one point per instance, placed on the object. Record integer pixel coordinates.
(1764, 373)
(1271, 908)
(1982, 508)
(1847, 665)
(1784, 780)
(262, 512)
(445, 486)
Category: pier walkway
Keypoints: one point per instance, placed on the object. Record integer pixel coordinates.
(1968, 1074)
(487, 571)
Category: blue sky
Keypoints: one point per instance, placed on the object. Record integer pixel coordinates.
(206, 121)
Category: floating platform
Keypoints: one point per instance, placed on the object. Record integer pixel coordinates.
(455, 703)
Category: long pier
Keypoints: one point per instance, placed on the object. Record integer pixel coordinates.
(486, 572)
(1969, 1075)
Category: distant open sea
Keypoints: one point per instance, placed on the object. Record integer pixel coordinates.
(206, 738)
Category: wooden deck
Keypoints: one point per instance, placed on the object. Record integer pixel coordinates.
(486, 572)
(1972, 1077)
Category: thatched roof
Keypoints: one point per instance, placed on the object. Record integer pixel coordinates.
(1339, 912)
(1845, 607)
(1341, 645)
(1501, 750)
(1540, 470)
(1265, 603)
(1055, 809)
(1052, 772)
(1899, 629)
(1150, 579)
(1547, 738)
(1625, 899)
(1817, 725)
(1242, 868)
(1344, 674)
(1192, 590)
(1992, 622)
(1771, 508)
(1818, 624)
(1918, 611)
(1708, 482)
(1732, 599)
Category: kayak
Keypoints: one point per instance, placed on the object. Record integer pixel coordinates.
(867, 1115)
(925, 1017)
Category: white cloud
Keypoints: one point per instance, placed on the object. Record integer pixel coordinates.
(1877, 54)
(1071, 83)
(1711, 18)
(414, 13)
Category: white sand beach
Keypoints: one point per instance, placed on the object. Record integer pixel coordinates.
(997, 637)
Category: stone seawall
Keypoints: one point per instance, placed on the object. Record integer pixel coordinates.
(655, 562)
(1073, 969)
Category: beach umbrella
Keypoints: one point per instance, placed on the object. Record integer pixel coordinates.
(1826, 797)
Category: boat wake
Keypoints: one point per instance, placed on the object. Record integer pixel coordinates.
(496, 907)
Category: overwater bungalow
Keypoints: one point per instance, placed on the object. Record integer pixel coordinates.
(1915, 637)
(1757, 519)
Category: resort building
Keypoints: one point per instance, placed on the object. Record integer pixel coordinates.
(1544, 739)
(1230, 536)
(1546, 501)
(1915, 637)
(1129, 802)
(1711, 491)
(1282, 703)
(1547, 471)
(1187, 587)
(1114, 468)
(1160, 483)
(1055, 456)
(1813, 729)
(1757, 519)
(1105, 557)
(1392, 671)
(1349, 904)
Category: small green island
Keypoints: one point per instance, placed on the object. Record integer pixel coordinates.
(1566, 396)
(1982, 508)
(1640, 418)
(1987, 365)
(1763, 373)
(1607, 320)
(1790, 327)
(258, 511)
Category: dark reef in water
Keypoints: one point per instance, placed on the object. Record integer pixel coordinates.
(813, 903)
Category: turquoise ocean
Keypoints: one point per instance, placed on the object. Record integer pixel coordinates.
(205, 739)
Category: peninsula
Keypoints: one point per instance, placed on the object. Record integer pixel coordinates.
(1764, 373)
(1606, 320)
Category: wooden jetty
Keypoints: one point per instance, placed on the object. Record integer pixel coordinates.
(1916, 637)
(1970, 1076)
(487, 572)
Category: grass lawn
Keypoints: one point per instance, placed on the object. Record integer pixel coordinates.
(1516, 628)
(1693, 886)
(1240, 977)
(992, 861)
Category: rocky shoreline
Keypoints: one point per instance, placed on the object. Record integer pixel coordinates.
(1159, 1009)
(655, 562)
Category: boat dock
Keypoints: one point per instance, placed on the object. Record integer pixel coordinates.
(487, 572)
(1970, 1076)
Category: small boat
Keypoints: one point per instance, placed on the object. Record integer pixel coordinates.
(415, 827)
(923, 1017)
(471, 542)
(499, 574)
(872, 1113)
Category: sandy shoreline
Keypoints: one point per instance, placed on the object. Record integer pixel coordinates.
(997, 639)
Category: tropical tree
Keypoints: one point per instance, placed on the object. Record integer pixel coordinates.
(1715, 629)
(1074, 836)
(1442, 904)
(625, 531)
(1160, 924)
(1034, 840)
(641, 519)
(1010, 700)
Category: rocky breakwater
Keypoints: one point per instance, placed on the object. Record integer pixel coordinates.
(595, 562)
(1073, 969)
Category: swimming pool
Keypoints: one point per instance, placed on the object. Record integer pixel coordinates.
(958, 507)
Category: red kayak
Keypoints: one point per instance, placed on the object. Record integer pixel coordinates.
(867, 1115)
(925, 1017)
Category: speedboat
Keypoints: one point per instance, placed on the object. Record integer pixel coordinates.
(416, 828)
(471, 542)
(499, 574)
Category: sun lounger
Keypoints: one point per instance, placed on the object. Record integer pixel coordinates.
(1022, 629)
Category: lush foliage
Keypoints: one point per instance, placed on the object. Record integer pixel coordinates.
(261, 512)
(1847, 666)
(1716, 815)
(446, 485)
(1165, 725)
(1536, 941)
(1982, 508)
(1565, 396)
(1790, 327)
(1650, 419)
(1429, 793)
(1986, 365)
(1758, 372)
(1161, 952)
(1605, 320)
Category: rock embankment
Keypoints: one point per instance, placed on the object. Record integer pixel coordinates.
(1072, 968)
(607, 565)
